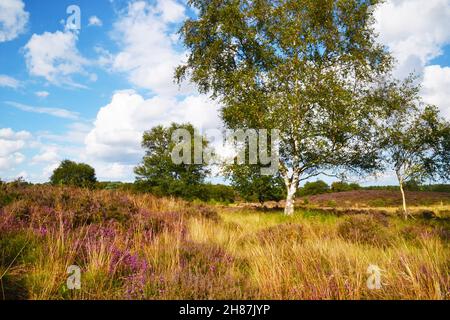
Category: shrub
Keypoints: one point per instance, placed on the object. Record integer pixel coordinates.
(340, 186)
(364, 229)
(73, 174)
(313, 188)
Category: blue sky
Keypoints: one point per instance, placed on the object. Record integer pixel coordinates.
(88, 94)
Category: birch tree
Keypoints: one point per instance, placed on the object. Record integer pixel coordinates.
(417, 147)
(304, 67)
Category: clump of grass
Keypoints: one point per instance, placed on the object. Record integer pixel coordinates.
(364, 229)
(290, 232)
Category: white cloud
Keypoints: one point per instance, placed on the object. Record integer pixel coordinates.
(114, 171)
(148, 55)
(13, 19)
(48, 171)
(171, 11)
(42, 94)
(7, 81)
(55, 57)
(118, 129)
(414, 30)
(11, 145)
(9, 134)
(95, 21)
(22, 174)
(56, 112)
(436, 87)
(49, 154)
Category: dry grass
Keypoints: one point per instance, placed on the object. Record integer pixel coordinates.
(142, 247)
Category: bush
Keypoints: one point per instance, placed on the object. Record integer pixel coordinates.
(340, 186)
(364, 229)
(73, 174)
(313, 188)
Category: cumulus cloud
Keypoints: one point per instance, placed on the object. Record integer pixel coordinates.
(414, 30)
(9, 82)
(11, 145)
(148, 52)
(13, 19)
(435, 87)
(95, 21)
(55, 57)
(55, 112)
(48, 154)
(119, 126)
(114, 171)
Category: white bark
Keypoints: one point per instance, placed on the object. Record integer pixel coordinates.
(290, 200)
(400, 182)
(291, 188)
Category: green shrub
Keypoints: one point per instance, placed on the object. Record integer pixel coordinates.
(74, 174)
(313, 188)
(341, 186)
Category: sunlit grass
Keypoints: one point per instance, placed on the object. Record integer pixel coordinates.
(150, 248)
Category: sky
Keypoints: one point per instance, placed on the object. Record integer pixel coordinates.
(87, 92)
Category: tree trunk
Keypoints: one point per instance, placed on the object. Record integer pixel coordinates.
(291, 186)
(405, 211)
(290, 203)
(400, 182)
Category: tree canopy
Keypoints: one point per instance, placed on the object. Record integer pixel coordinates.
(73, 174)
(305, 67)
(159, 171)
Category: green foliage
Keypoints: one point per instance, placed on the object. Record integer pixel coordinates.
(341, 186)
(412, 185)
(436, 188)
(251, 185)
(415, 138)
(73, 174)
(159, 174)
(216, 193)
(303, 67)
(312, 188)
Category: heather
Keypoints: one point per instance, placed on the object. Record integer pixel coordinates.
(138, 246)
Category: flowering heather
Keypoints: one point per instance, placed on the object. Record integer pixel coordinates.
(144, 247)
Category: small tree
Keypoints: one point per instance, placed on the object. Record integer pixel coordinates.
(417, 147)
(157, 169)
(251, 185)
(73, 174)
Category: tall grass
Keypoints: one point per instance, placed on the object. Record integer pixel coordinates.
(143, 247)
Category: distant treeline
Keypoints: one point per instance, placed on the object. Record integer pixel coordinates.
(204, 192)
(321, 187)
(227, 194)
(219, 193)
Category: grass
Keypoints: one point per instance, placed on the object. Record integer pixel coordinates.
(143, 247)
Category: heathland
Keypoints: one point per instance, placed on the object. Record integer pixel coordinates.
(138, 246)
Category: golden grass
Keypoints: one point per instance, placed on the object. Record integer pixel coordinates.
(245, 254)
